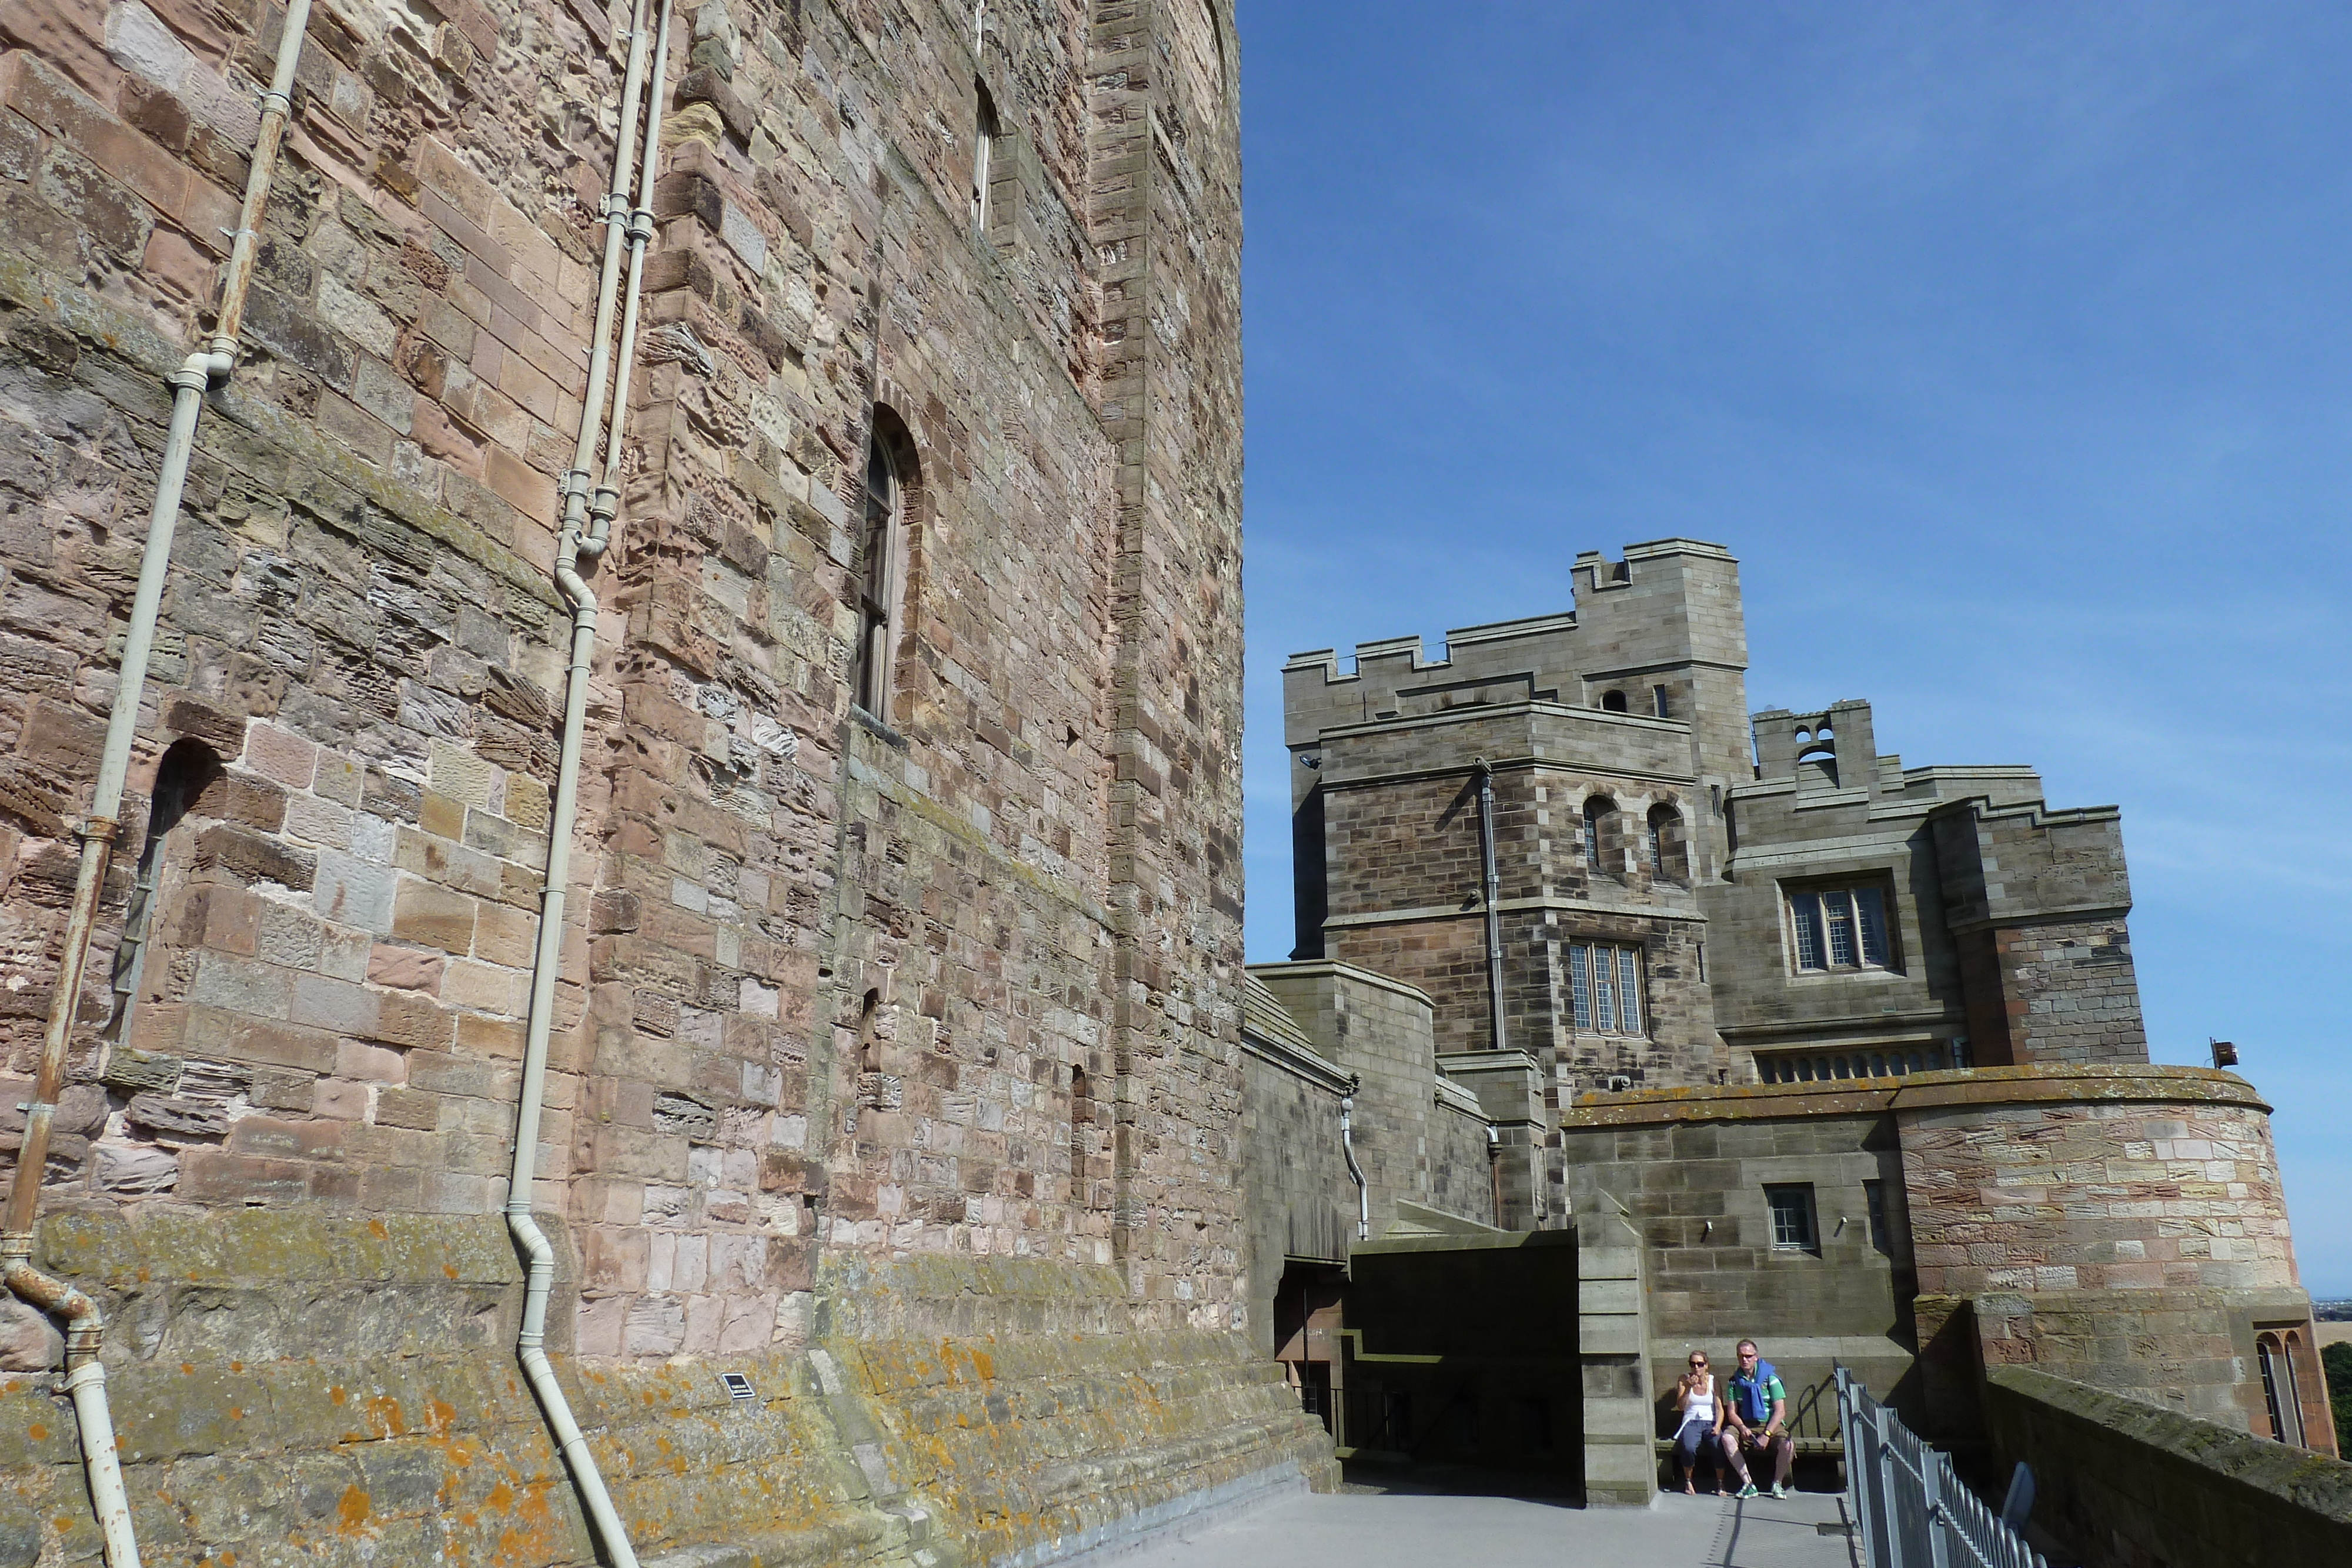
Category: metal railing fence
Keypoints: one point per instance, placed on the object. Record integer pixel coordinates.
(1910, 1510)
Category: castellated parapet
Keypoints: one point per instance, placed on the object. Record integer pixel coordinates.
(1793, 900)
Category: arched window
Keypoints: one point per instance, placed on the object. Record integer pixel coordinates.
(879, 551)
(1612, 702)
(1597, 812)
(1666, 824)
(189, 766)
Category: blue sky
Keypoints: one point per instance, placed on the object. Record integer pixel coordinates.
(2006, 346)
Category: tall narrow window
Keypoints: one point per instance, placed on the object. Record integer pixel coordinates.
(1837, 909)
(2267, 1353)
(1873, 1196)
(187, 768)
(2293, 1392)
(1082, 1120)
(1580, 981)
(986, 130)
(1663, 821)
(1870, 913)
(1658, 699)
(1805, 913)
(1597, 812)
(1629, 990)
(875, 586)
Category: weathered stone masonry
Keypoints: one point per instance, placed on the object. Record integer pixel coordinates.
(892, 1049)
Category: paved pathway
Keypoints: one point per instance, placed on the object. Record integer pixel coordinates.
(1367, 1530)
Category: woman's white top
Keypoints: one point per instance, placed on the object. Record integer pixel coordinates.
(1701, 1407)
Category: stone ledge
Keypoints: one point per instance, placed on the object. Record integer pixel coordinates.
(1982, 1086)
(2124, 1474)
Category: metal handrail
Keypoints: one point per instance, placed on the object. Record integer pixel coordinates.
(1909, 1507)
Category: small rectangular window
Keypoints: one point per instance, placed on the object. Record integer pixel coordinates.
(1604, 992)
(1629, 990)
(1793, 1216)
(1874, 1194)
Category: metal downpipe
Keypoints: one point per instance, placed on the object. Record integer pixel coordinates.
(86, 1325)
(586, 529)
(1493, 893)
(1355, 1171)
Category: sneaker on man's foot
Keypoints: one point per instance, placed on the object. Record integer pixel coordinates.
(1780, 1489)
(1747, 1490)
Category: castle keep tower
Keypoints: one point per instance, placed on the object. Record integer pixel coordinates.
(1780, 1028)
(863, 629)
(1686, 898)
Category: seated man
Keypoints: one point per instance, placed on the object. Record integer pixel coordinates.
(1756, 1419)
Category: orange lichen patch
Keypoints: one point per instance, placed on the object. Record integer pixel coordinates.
(353, 1510)
(439, 1418)
(337, 1395)
(385, 1409)
(376, 1228)
(501, 1498)
(38, 1433)
(450, 1269)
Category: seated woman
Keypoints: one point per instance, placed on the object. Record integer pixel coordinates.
(1695, 1403)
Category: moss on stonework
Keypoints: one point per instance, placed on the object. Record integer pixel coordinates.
(345, 1386)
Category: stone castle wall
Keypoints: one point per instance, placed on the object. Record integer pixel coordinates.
(955, 984)
(2119, 1226)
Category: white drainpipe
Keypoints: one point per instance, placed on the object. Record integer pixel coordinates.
(584, 537)
(86, 1325)
(1355, 1171)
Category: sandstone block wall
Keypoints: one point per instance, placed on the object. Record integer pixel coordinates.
(1301, 1199)
(343, 1391)
(958, 980)
(2088, 1196)
(2130, 1487)
(2138, 1244)
(2038, 900)
(2122, 1227)
(1405, 880)
(1414, 1147)
(1694, 1192)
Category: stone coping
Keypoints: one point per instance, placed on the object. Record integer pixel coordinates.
(1316, 969)
(2291, 1476)
(1978, 1086)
